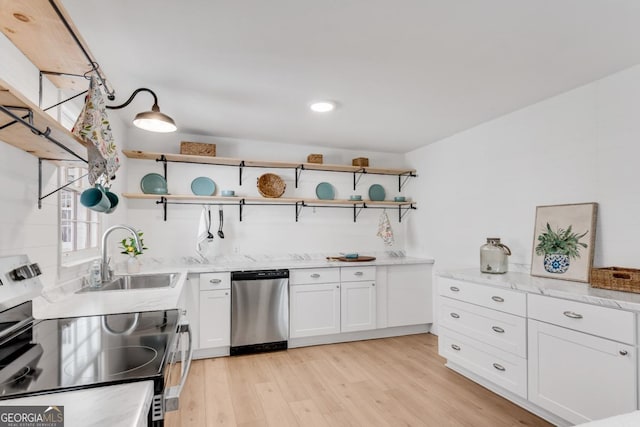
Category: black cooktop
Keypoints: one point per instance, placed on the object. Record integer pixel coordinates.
(79, 352)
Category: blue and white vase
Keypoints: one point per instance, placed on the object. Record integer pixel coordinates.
(556, 263)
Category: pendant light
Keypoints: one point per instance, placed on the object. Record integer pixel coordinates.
(153, 120)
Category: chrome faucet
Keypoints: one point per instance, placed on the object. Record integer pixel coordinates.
(106, 272)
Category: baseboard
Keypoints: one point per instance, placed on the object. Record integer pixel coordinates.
(524, 403)
(359, 336)
(205, 353)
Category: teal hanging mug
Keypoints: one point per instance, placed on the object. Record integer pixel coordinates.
(95, 199)
(113, 198)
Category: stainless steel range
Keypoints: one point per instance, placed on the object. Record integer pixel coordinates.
(53, 355)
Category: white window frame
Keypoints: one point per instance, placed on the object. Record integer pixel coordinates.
(75, 256)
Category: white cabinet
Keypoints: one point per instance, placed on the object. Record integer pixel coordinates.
(358, 306)
(483, 330)
(314, 309)
(358, 298)
(409, 295)
(215, 310)
(215, 318)
(582, 359)
(314, 302)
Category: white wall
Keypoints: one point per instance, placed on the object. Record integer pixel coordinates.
(270, 229)
(23, 227)
(581, 146)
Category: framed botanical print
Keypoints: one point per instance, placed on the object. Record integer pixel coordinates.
(563, 241)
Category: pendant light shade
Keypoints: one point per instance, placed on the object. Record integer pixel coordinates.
(153, 120)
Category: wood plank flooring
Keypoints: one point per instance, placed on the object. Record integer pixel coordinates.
(397, 381)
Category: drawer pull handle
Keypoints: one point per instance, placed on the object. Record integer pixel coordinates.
(497, 299)
(215, 281)
(572, 315)
(315, 275)
(623, 352)
(373, 284)
(455, 315)
(454, 289)
(226, 293)
(499, 367)
(358, 273)
(455, 347)
(498, 329)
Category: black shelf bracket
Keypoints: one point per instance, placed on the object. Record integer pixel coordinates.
(402, 212)
(28, 117)
(299, 170)
(406, 177)
(299, 206)
(40, 196)
(46, 133)
(240, 169)
(163, 202)
(356, 177)
(163, 159)
(241, 207)
(357, 209)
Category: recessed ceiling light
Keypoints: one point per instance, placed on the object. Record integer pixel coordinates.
(323, 106)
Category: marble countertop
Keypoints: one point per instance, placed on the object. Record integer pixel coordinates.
(264, 262)
(575, 291)
(64, 302)
(124, 405)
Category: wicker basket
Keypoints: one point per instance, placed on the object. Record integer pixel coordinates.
(271, 185)
(616, 279)
(360, 161)
(198, 148)
(314, 158)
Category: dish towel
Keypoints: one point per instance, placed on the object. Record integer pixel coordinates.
(93, 127)
(384, 229)
(203, 226)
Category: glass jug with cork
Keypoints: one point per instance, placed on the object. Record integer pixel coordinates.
(493, 256)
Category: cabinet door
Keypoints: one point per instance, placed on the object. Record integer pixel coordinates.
(314, 310)
(409, 295)
(580, 377)
(215, 318)
(358, 306)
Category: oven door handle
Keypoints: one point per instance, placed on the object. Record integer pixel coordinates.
(172, 395)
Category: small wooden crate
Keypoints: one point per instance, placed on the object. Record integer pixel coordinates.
(616, 279)
(314, 158)
(198, 148)
(360, 161)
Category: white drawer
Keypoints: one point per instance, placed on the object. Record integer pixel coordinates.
(501, 368)
(212, 281)
(502, 330)
(506, 300)
(357, 274)
(605, 322)
(307, 276)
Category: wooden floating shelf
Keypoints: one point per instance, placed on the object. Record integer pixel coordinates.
(36, 29)
(23, 138)
(226, 161)
(275, 201)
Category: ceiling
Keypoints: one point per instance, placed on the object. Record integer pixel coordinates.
(405, 73)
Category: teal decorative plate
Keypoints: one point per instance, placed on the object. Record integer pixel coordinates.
(153, 183)
(203, 186)
(376, 193)
(325, 191)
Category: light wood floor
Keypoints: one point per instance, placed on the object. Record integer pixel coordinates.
(387, 382)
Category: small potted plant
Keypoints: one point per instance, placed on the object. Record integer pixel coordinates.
(559, 247)
(129, 247)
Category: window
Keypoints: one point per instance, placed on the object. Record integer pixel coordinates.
(79, 226)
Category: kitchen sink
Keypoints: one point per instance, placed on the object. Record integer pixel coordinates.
(138, 281)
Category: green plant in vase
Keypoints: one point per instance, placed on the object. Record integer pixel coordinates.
(559, 247)
(130, 248)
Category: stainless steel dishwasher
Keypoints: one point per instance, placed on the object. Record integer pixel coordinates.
(259, 311)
